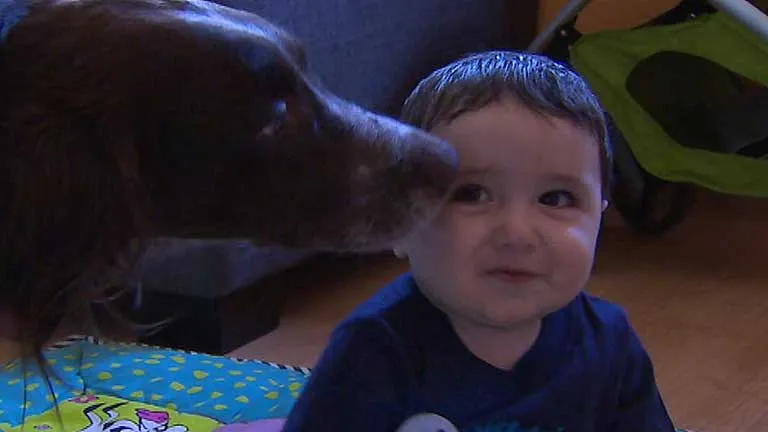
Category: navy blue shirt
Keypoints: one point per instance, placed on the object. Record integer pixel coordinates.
(398, 356)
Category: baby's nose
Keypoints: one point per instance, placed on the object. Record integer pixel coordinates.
(516, 228)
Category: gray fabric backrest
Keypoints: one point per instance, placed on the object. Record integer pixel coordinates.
(374, 51)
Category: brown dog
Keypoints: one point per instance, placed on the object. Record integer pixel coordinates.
(122, 120)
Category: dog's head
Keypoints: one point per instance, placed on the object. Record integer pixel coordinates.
(213, 118)
(130, 119)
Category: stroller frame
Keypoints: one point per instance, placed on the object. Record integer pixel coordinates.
(741, 10)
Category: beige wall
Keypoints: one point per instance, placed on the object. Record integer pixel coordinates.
(608, 14)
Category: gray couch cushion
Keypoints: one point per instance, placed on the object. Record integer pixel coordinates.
(374, 51)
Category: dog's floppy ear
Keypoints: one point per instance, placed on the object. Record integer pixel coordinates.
(72, 204)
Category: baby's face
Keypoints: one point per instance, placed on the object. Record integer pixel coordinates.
(517, 240)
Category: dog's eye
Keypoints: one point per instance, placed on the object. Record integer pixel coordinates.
(279, 116)
(289, 114)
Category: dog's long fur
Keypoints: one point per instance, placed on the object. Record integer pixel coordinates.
(122, 120)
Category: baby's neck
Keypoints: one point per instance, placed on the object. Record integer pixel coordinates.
(500, 348)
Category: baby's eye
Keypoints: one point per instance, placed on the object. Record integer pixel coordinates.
(558, 198)
(471, 194)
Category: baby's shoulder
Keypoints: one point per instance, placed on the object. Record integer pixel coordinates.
(602, 310)
(398, 303)
(601, 318)
(398, 314)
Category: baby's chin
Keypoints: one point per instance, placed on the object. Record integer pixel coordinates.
(517, 315)
(509, 321)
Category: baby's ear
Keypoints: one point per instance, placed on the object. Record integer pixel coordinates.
(400, 249)
(399, 252)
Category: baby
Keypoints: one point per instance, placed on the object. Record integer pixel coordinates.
(491, 329)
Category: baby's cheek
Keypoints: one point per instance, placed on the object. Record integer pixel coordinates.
(574, 252)
(583, 235)
(438, 245)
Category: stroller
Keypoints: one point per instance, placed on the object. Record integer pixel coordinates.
(686, 98)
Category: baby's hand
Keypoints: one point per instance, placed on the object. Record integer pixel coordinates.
(427, 422)
(271, 425)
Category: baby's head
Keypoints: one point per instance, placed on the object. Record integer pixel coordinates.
(517, 239)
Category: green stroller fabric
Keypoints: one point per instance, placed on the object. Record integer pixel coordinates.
(608, 59)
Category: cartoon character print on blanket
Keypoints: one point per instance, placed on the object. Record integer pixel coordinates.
(99, 413)
(146, 420)
(116, 387)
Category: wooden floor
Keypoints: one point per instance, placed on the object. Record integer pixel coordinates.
(698, 297)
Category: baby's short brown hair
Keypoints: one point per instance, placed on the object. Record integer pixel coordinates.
(537, 82)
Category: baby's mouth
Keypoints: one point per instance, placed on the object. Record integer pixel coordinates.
(513, 275)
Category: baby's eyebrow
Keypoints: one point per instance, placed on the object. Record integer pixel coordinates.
(570, 179)
(566, 178)
(473, 171)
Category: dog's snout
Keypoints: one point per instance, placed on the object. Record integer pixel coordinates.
(429, 162)
(395, 175)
